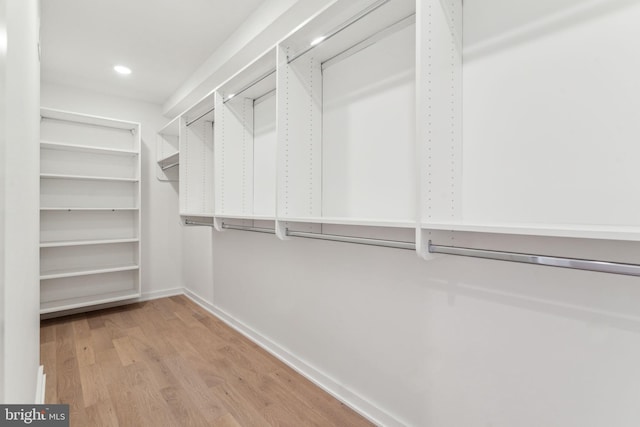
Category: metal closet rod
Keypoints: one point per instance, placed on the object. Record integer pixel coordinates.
(172, 165)
(340, 27)
(249, 85)
(132, 130)
(396, 244)
(204, 224)
(189, 123)
(243, 228)
(551, 261)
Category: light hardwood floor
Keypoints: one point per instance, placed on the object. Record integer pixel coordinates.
(169, 362)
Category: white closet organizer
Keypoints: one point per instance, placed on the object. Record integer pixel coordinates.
(545, 159)
(245, 148)
(196, 159)
(89, 210)
(346, 118)
(167, 151)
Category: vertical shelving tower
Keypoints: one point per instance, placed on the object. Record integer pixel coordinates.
(89, 210)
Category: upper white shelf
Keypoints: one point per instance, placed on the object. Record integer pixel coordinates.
(198, 214)
(248, 217)
(87, 149)
(86, 177)
(44, 208)
(51, 113)
(603, 232)
(172, 128)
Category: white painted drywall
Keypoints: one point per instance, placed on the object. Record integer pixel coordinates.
(161, 235)
(20, 200)
(3, 142)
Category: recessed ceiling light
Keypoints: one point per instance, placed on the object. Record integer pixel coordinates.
(318, 40)
(121, 69)
(231, 95)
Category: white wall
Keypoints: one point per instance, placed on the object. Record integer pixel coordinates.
(3, 143)
(161, 238)
(20, 200)
(450, 342)
(446, 343)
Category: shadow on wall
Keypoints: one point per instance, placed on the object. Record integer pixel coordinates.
(494, 25)
(594, 298)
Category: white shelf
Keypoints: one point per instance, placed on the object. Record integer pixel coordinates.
(603, 232)
(169, 159)
(60, 244)
(86, 149)
(70, 304)
(198, 214)
(76, 273)
(351, 221)
(88, 119)
(90, 192)
(86, 177)
(87, 209)
(249, 217)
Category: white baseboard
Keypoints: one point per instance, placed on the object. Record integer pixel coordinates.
(325, 382)
(148, 296)
(41, 382)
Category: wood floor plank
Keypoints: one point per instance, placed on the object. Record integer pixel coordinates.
(226, 421)
(241, 410)
(182, 407)
(95, 320)
(48, 360)
(337, 412)
(124, 406)
(84, 349)
(93, 384)
(102, 414)
(207, 403)
(48, 333)
(101, 339)
(126, 351)
(169, 362)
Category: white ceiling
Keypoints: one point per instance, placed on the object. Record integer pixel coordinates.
(162, 41)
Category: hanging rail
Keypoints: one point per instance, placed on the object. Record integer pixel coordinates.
(189, 123)
(339, 28)
(204, 224)
(249, 85)
(551, 261)
(243, 228)
(396, 244)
